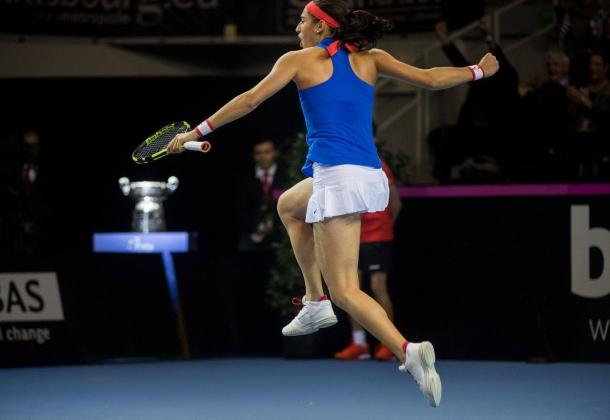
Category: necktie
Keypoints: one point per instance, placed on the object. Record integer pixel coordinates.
(266, 183)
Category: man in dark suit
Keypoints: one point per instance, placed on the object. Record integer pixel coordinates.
(257, 206)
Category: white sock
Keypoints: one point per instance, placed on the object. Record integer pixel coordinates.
(359, 337)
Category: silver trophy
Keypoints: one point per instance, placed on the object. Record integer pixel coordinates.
(148, 215)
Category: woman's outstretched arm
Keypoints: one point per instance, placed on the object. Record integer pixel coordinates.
(435, 78)
(283, 72)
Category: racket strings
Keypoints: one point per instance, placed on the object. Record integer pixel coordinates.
(159, 142)
(156, 145)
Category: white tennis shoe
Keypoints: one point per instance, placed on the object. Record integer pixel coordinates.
(419, 362)
(312, 317)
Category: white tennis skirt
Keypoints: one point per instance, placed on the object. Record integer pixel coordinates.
(346, 189)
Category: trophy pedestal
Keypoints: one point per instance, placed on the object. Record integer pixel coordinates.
(164, 243)
(148, 225)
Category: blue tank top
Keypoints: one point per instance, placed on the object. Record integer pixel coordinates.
(339, 115)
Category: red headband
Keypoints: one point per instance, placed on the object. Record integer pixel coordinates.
(313, 9)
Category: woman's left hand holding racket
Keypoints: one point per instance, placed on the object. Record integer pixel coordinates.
(173, 138)
(187, 141)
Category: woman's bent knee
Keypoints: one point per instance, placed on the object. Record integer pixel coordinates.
(283, 206)
(293, 202)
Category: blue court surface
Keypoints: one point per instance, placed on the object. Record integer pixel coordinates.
(270, 389)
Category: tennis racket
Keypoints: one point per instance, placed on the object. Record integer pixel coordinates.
(155, 146)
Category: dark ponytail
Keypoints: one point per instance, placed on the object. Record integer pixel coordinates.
(363, 29)
(358, 27)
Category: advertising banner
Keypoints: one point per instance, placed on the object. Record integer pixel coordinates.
(589, 303)
(32, 322)
(102, 18)
(113, 17)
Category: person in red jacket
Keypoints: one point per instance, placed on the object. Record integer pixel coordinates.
(376, 236)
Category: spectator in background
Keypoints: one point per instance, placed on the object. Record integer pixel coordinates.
(590, 111)
(8, 193)
(32, 195)
(24, 206)
(591, 103)
(376, 236)
(557, 71)
(481, 142)
(602, 42)
(257, 208)
(258, 230)
(558, 68)
(581, 24)
(547, 124)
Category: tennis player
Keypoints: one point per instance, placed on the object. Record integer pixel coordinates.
(335, 73)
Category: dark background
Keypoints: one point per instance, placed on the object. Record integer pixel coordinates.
(89, 127)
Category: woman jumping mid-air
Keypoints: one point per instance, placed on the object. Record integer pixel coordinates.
(335, 73)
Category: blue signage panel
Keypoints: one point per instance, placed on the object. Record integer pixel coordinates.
(135, 242)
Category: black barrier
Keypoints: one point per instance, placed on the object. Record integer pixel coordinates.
(506, 277)
(511, 278)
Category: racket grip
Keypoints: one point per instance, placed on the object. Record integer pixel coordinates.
(198, 146)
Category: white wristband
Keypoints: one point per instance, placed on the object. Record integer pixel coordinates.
(204, 128)
(477, 72)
